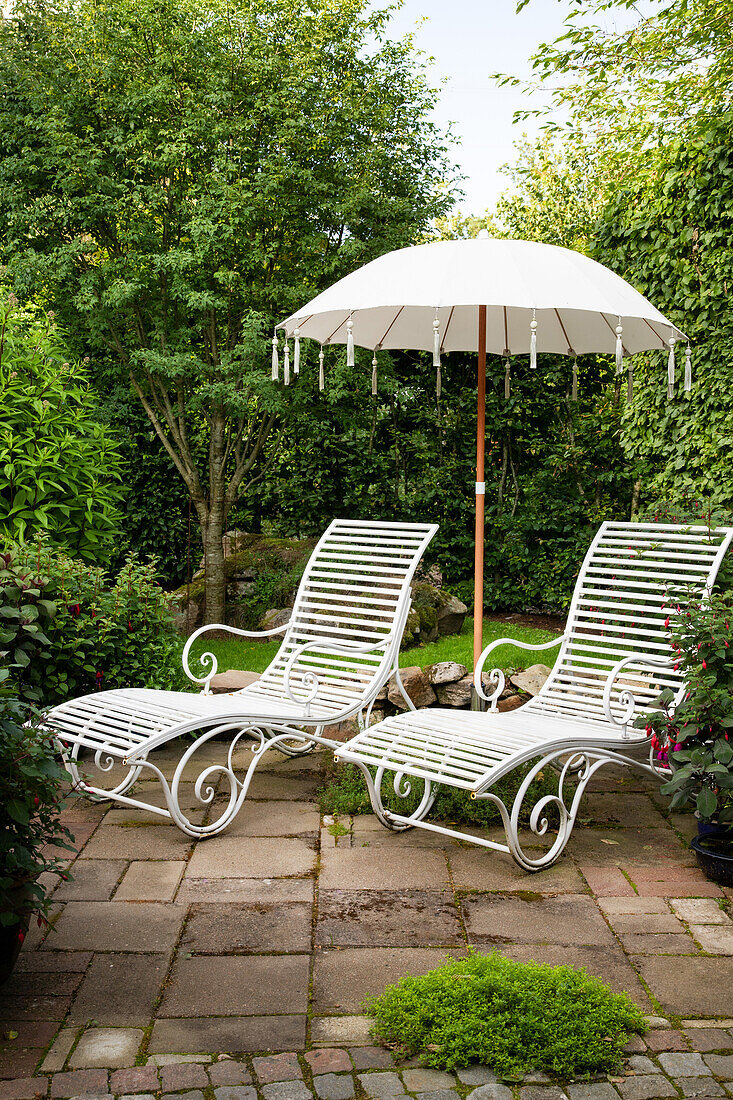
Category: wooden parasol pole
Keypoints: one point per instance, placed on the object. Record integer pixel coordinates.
(478, 584)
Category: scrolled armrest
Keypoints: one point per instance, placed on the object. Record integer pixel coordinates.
(496, 676)
(626, 696)
(209, 658)
(309, 680)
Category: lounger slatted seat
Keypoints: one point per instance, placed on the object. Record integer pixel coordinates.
(339, 648)
(615, 658)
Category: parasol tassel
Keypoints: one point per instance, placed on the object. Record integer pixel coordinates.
(349, 343)
(275, 373)
(374, 374)
(619, 348)
(688, 369)
(296, 353)
(321, 371)
(533, 344)
(286, 364)
(574, 391)
(436, 356)
(670, 369)
(507, 378)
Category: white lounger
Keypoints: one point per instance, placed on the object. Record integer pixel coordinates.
(340, 647)
(615, 657)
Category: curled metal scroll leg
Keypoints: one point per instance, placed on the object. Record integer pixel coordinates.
(402, 789)
(103, 762)
(580, 766)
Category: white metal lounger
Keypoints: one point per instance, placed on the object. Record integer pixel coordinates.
(615, 657)
(340, 646)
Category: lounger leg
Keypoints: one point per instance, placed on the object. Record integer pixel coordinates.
(402, 788)
(206, 783)
(581, 767)
(103, 763)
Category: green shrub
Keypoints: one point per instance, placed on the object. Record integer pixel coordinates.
(345, 792)
(31, 788)
(515, 1017)
(66, 630)
(58, 465)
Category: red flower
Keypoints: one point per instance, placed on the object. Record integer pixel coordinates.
(21, 937)
(704, 664)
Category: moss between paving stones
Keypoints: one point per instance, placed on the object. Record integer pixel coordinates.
(516, 1017)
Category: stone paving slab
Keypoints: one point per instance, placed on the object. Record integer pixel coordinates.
(237, 985)
(571, 919)
(234, 890)
(143, 842)
(276, 818)
(250, 857)
(385, 918)
(406, 869)
(232, 928)
(229, 1034)
(120, 989)
(118, 926)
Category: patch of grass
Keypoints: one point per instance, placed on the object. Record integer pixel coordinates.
(234, 652)
(515, 1017)
(345, 792)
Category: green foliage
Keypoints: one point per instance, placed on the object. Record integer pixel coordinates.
(92, 633)
(668, 231)
(613, 73)
(345, 793)
(31, 790)
(515, 1017)
(694, 737)
(58, 464)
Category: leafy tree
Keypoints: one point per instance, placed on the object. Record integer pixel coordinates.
(179, 175)
(58, 464)
(629, 76)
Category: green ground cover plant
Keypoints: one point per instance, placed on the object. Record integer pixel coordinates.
(515, 1017)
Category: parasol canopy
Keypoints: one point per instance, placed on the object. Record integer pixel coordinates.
(576, 302)
(506, 297)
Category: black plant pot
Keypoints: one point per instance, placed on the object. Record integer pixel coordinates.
(714, 851)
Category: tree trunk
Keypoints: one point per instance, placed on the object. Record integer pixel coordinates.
(215, 582)
(635, 497)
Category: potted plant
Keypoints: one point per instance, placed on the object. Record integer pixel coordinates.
(693, 738)
(32, 783)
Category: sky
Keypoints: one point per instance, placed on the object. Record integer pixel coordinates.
(470, 39)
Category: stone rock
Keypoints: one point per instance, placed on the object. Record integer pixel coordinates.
(416, 685)
(511, 702)
(532, 679)
(233, 680)
(451, 616)
(445, 672)
(276, 616)
(458, 694)
(239, 587)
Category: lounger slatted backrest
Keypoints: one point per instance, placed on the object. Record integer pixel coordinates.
(355, 594)
(633, 577)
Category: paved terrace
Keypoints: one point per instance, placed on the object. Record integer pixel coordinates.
(237, 967)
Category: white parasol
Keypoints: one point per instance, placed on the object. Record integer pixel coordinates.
(505, 297)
